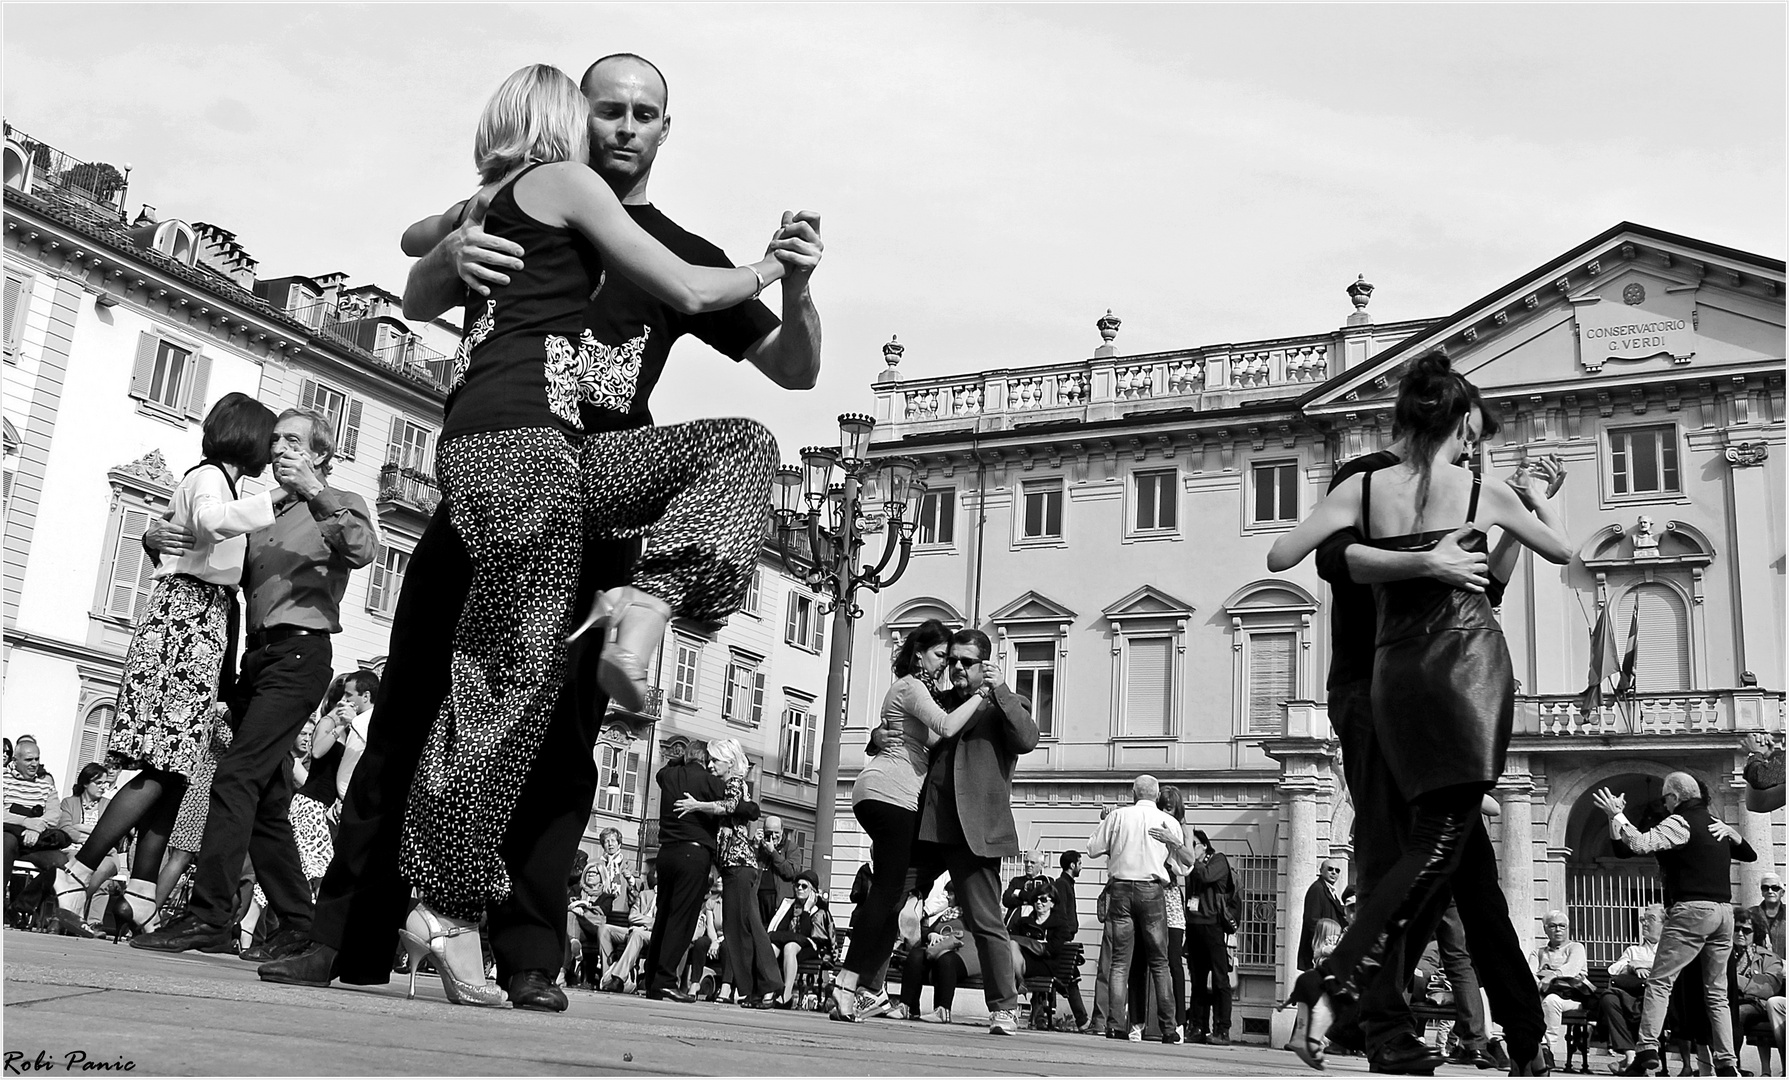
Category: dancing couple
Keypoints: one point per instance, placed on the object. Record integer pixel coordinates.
(547, 466)
(1443, 694)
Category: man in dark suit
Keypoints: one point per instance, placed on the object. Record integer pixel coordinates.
(776, 872)
(966, 816)
(1323, 900)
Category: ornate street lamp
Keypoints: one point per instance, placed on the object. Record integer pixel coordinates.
(823, 509)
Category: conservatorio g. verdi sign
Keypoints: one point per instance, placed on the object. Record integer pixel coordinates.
(1639, 322)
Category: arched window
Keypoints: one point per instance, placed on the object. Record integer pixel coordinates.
(96, 733)
(1663, 662)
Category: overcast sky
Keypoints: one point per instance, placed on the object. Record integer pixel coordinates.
(991, 179)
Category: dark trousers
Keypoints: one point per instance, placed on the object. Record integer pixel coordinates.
(1620, 1012)
(750, 965)
(682, 886)
(1469, 1001)
(947, 971)
(1447, 846)
(1139, 994)
(1139, 933)
(1065, 956)
(1208, 967)
(251, 791)
(977, 883)
(875, 923)
(363, 898)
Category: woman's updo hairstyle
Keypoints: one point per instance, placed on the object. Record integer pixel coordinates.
(1432, 399)
(926, 635)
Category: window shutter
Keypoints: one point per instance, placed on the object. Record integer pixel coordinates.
(131, 568)
(15, 310)
(144, 372)
(1664, 659)
(1148, 686)
(96, 733)
(757, 698)
(350, 440)
(307, 395)
(789, 626)
(729, 692)
(1271, 680)
(394, 447)
(200, 377)
(819, 630)
(375, 593)
(807, 759)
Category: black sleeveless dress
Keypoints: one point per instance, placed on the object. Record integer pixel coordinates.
(1443, 686)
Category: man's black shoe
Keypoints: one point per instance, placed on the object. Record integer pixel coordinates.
(313, 965)
(533, 990)
(1645, 1063)
(278, 947)
(184, 934)
(1218, 1038)
(1405, 1056)
(672, 994)
(1499, 1057)
(1195, 1035)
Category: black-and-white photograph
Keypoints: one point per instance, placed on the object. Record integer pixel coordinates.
(1080, 539)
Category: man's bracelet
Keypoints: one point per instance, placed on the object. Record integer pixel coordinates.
(761, 281)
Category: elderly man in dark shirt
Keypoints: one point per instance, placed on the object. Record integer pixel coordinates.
(296, 572)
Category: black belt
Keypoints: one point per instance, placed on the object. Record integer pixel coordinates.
(1136, 881)
(260, 638)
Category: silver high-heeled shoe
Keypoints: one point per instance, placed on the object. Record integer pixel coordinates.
(622, 672)
(425, 933)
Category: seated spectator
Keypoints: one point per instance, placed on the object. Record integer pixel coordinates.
(631, 936)
(77, 813)
(1024, 890)
(1754, 977)
(29, 792)
(800, 930)
(1767, 915)
(1619, 1005)
(584, 931)
(616, 880)
(702, 963)
(1562, 970)
(1033, 955)
(945, 956)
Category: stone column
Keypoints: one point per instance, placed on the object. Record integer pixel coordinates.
(1755, 829)
(1755, 533)
(1516, 792)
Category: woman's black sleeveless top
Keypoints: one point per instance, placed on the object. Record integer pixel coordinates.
(525, 352)
(1443, 687)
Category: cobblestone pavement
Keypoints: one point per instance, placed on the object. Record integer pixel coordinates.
(210, 1015)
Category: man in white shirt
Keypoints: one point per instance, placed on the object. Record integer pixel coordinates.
(1137, 841)
(1620, 1003)
(1561, 969)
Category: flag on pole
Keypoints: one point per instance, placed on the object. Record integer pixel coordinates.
(1630, 654)
(1604, 661)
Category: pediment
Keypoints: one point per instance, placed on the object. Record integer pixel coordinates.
(1031, 607)
(910, 613)
(1148, 602)
(1646, 543)
(1270, 594)
(1631, 303)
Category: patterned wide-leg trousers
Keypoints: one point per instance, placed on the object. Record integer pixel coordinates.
(701, 494)
(514, 499)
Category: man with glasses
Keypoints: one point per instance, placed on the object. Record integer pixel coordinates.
(1767, 916)
(966, 816)
(1323, 900)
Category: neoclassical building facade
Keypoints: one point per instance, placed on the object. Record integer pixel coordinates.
(1107, 521)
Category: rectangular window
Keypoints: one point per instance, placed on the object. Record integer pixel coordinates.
(617, 780)
(386, 580)
(1643, 460)
(1034, 679)
(1043, 510)
(170, 376)
(410, 445)
(18, 301)
(804, 627)
(685, 671)
(938, 517)
(797, 759)
(1154, 497)
(340, 409)
(1276, 493)
(127, 595)
(742, 698)
(1148, 685)
(796, 845)
(1272, 679)
(754, 593)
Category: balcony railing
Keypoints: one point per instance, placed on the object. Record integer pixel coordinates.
(654, 707)
(55, 174)
(352, 329)
(1680, 712)
(407, 487)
